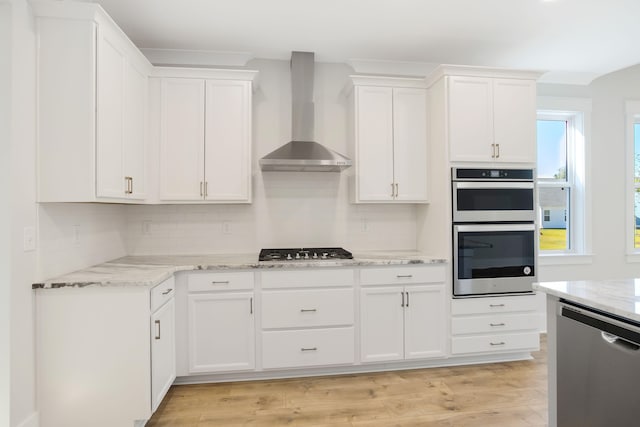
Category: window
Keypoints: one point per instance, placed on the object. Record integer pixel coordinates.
(561, 176)
(633, 168)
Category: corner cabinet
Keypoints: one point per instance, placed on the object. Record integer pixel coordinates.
(92, 107)
(490, 114)
(205, 135)
(403, 313)
(388, 126)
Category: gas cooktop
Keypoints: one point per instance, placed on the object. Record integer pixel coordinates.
(304, 254)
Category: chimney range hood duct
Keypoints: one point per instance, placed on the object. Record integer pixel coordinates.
(303, 154)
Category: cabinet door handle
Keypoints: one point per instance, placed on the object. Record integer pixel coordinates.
(407, 304)
(493, 151)
(497, 151)
(396, 189)
(206, 189)
(308, 310)
(220, 282)
(404, 276)
(496, 305)
(309, 349)
(251, 305)
(157, 322)
(496, 324)
(201, 189)
(131, 188)
(167, 291)
(129, 185)
(392, 193)
(402, 296)
(497, 343)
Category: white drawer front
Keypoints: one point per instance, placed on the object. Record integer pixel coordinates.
(529, 341)
(402, 275)
(494, 323)
(162, 293)
(493, 305)
(300, 308)
(305, 278)
(226, 281)
(310, 347)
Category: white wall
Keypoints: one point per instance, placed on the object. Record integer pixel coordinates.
(289, 209)
(607, 180)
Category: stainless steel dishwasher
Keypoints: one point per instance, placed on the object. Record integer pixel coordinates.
(598, 371)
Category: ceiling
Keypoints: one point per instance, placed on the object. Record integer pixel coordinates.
(573, 40)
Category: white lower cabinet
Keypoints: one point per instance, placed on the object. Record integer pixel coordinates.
(308, 318)
(402, 323)
(221, 323)
(163, 352)
(494, 325)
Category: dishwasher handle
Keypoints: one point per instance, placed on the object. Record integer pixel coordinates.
(620, 342)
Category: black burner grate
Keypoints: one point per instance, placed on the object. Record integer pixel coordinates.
(303, 254)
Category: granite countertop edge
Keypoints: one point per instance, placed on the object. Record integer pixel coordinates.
(148, 271)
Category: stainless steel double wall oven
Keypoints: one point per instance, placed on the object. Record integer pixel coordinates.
(494, 232)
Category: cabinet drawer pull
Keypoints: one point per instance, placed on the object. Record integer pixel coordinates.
(251, 305)
(496, 305)
(497, 343)
(308, 310)
(167, 291)
(309, 349)
(404, 276)
(496, 324)
(220, 282)
(157, 322)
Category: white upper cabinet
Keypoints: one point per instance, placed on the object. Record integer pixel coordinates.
(389, 130)
(92, 107)
(205, 137)
(491, 118)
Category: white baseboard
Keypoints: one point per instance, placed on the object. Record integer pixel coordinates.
(32, 420)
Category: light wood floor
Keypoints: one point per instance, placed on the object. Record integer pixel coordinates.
(503, 394)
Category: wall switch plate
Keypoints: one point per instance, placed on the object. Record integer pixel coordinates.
(29, 239)
(226, 227)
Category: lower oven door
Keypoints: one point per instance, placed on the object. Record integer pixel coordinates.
(493, 259)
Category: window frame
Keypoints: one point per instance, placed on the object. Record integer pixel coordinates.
(577, 113)
(632, 110)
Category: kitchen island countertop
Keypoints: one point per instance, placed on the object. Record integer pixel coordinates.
(620, 297)
(149, 270)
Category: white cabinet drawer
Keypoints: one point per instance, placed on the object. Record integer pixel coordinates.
(162, 293)
(493, 305)
(309, 347)
(529, 341)
(307, 308)
(402, 275)
(494, 323)
(304, 278)
(227, 281)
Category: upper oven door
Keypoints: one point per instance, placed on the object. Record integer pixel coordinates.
(493, 258)
(493, 201)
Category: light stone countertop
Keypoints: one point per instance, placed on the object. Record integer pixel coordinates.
(149, 270)
(619, 297)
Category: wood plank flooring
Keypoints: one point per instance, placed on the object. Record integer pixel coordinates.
(510, 394)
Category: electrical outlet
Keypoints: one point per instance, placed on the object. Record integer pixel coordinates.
(76, 234)
(364, 226)
(146, 227)
(29, 236)
(226, 227)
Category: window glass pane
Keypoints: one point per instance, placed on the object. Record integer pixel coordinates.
(636, 216)
(554, 227)
(636, 145)
(552, 149)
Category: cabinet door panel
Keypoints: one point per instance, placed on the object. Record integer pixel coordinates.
(110, 128)
(228, 140)
(163, 352)
(425, 322)
(410, 143)
(221, 332)
(470, 119)
(514, 104)
(182, 139)
(381, 330)
(135, 124)
(374, 139)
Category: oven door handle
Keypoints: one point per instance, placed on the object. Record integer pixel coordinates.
(491, 185)
(494, 227)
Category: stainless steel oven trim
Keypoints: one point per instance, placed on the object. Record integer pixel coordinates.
(526, 185)
(469, 288)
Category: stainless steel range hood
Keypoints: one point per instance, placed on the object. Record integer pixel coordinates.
(303, 154)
